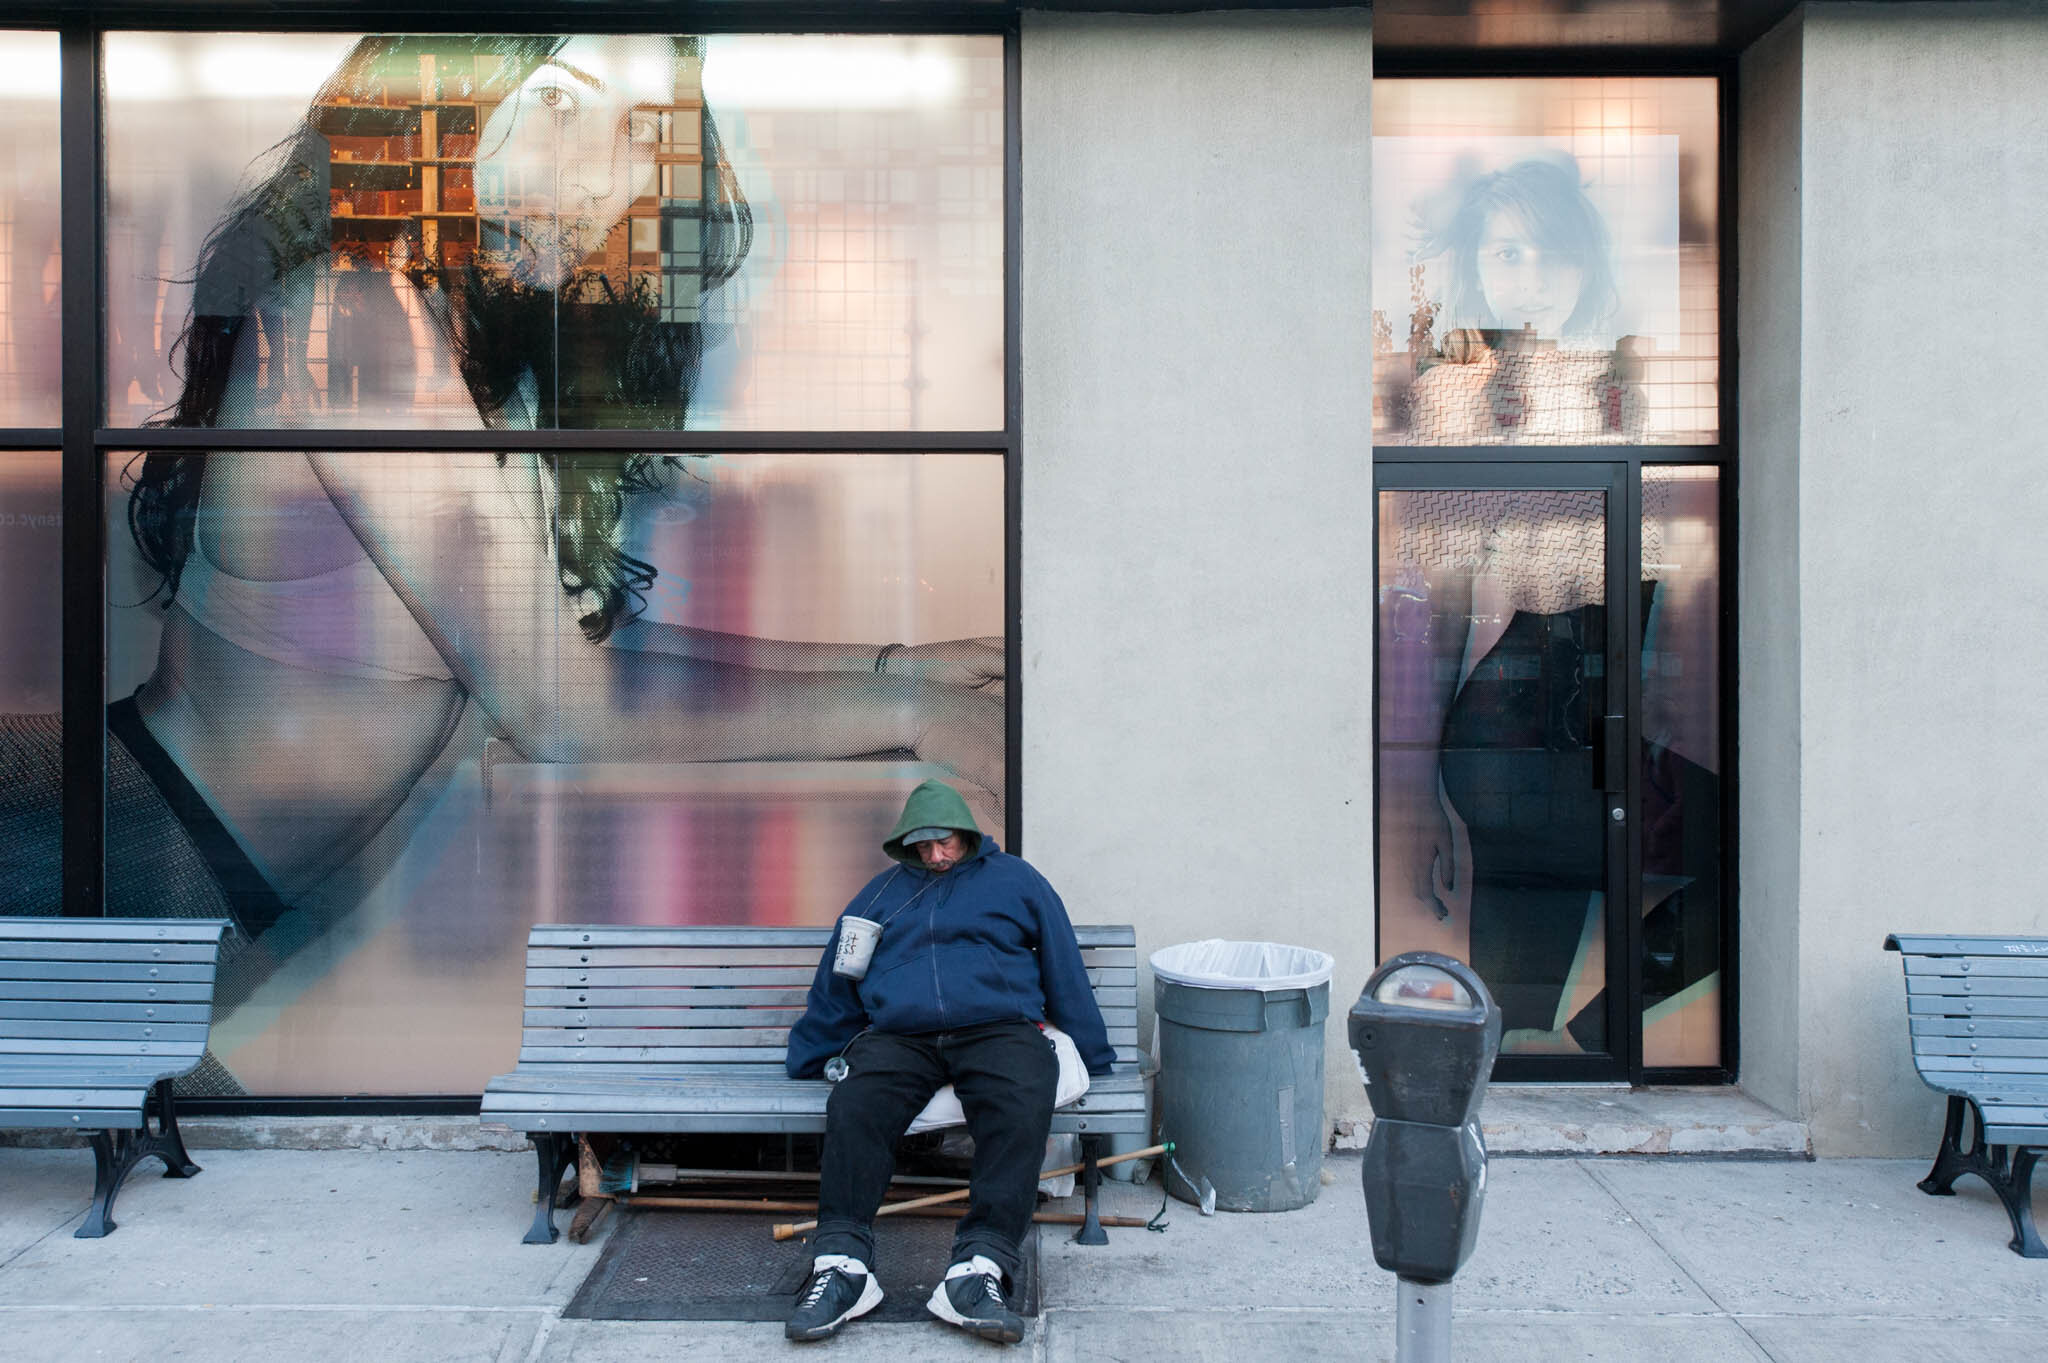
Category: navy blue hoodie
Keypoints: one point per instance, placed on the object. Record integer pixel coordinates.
(985, 941)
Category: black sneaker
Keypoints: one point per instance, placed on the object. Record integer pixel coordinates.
(971, 1297)
(840, 1289)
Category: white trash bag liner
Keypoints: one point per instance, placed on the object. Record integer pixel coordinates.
(1220, 964)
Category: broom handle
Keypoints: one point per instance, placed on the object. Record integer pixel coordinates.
(740, 1204)
(789, 1230)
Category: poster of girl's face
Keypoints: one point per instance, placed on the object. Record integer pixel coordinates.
(1520, 235)
(1545, 265)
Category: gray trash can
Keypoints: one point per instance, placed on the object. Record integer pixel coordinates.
(1240, 1087)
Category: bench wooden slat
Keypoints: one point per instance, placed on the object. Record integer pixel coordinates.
(674, 1017)
(609, 1011)
(570, 1079)
(735, 976)
(1994, 1064)
(49, 1046)
(1958, 944)
(119, 1118)
(639, 1038)
(73, 1029)
(113, 929)
(1978, 986)
(1970, 1045)
(72, 1095)
(111, 991)
(1972, 1025)
(715, 935)
(655, 997)
(146, 952)
(683, 1059)
(692, 1037)
(1976, 965)
(601, 956)
(688, 1123)
(97, 1011)
(1954, 1005)
(115, 972)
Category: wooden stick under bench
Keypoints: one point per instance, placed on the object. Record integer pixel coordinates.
(789, 1230)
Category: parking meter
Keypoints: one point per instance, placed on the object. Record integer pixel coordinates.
(1426, 1033)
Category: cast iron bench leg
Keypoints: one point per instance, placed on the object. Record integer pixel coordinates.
(2009, 1174)
(556, 1153)
(167, 1144)
(116, 1153)
(2019, 1204)
(1950, 1163)
(113, 1156)
(1091, 1232)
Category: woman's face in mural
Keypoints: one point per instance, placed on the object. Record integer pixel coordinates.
(569, 150)
(1526, 286)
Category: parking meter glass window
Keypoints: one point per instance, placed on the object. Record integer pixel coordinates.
(1424, 986)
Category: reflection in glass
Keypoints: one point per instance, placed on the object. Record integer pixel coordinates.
(1680, 820)
(1492, 655)
(30, 249)
(538, 232)
(392, 709)
(31, 700)
(1545, 267)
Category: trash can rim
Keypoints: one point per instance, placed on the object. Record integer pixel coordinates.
(1310, 967)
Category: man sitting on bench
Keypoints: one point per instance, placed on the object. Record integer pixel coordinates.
(940, 971)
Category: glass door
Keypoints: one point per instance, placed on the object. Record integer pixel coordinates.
(1503, 781)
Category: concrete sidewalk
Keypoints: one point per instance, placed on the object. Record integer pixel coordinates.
(311, 1256)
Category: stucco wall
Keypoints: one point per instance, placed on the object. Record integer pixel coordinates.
(1921, 625)
(1197, 481)
(1767, 232)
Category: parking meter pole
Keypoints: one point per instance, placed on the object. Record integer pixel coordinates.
(1422, 1322)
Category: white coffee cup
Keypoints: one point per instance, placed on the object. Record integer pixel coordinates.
(857, 938)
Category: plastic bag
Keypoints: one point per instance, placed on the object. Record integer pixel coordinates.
(1220, 964)
(944, 1108)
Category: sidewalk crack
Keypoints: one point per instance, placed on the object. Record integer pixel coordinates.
(69, 1217)
(1676, 1262)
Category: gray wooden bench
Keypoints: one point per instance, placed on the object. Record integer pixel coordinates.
(97, 1017)
(1978, 1007)
(631, 1029)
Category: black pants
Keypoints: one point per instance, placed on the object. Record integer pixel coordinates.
(1006, 1075)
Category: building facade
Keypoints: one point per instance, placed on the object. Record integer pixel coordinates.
(455, 480)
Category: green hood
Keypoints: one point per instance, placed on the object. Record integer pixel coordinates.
(934, 804)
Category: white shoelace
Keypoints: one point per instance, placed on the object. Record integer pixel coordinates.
(822, 1269)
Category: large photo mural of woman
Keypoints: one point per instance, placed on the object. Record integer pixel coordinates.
(386, 710)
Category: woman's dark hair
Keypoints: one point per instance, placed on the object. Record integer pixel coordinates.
(1545, 197)
(609, 357)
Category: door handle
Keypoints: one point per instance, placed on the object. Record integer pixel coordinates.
(1613, 757)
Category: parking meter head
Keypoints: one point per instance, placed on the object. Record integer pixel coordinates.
(1426, 1032)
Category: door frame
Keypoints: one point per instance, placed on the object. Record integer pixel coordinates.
(1622, 895)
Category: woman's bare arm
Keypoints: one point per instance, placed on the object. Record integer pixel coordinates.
(465, 542)
(958, 662)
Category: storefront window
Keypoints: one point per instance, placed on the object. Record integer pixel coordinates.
(1681, 764)
(1545, 268)
(735, 232)
(30, 251)
(31, 703)
(359, 707)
